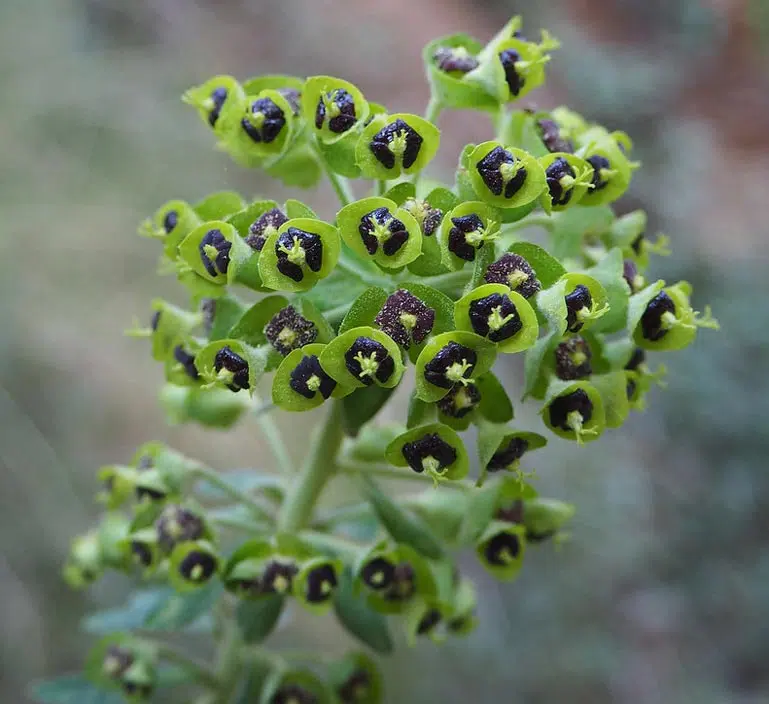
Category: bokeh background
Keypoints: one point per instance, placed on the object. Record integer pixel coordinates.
(662, 595)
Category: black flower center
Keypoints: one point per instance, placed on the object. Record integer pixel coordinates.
(287, 330)
(468, 234)
(452, 364)
(501, 172)
(227, 359)
(378, 573)
(577, 301)
(214, 251)
(296, 249)
(636, 360)
(321, 583)
(404, 584)
(632, 277)
(187, 361)
(368, 359)
(380, 227)
(660, 308)
(630, 388)
(565, 409)
(405, 318)
(428, 622)
(339, 107)
(502, 549)
(560, 175)
(495, 317)
(550, 134)
(454, 59)
(278, 577)
(430, 453)
(293, 694)
(514, 80)
(460, 401)
(573, 359)
(398, 140)
(141, 553)
(599, 163)
(170, 221)
(507, 456)
(265, 123)
(308, 378)
(177, 525)
(198, 566)
(356, 689)
(265, 225)
(514, 271)
(218, 96)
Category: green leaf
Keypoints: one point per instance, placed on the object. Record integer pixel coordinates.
(419, 411)
(547, 268)
(481, 505)
(187, 611)
(608, 272)
(535, 381)
(71, 689)
(337, 290)
(401, 192)
(217, 206)
(613, 390)
(359, 619)
(132, 615)
(362, 405)
(495, 404)
(364, 309)
(571, 227)
(257, 618)
(401, 524)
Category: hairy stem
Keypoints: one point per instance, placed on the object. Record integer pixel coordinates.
(317, 470)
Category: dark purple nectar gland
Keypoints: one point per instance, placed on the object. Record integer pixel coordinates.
(214, 251)
(571, 411)
(512, 513)
(321, 583)
(632, 276)
(380, 227)
(308, 378)
(560, 181)
(293, 694)
(198, 566)
(659, 317)
(509, 455)
(339, 107)
(116, 662)
(602, 171)
(453, 364)
(514, 271)
(501, 172)
(265, 225)
(287, 331)
(278, 577)
(468, 235)
(637, 244)
(514, 80)
(578, 304)
(630, 388)
(170, 221)
(141, 553)
(296, 249)
(378, 573)
(550, 134)
(428, 622)
(404, 583)
(636, 360)
(457, 59)
(177, 525)
(265, 122)
(367, 360)
(460, 401)
(356, 689)
(235, 364)
(216, 100)
(396, 140)
(187, 362)
(495, 317)
(155, 320)
(293, 98)
(573, 359)
(502, 549)
(405, 318)
(431, 454)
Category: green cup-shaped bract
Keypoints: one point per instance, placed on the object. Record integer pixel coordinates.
(232, 364)
(501, 548)
(587, 401)
(573, 183)
(172, 222)
(220, 102)
(315, 583)
(615, 174)
(544, 517)
(504, 186)
(434, 449)
(214, 408)
(567, 308)
(466, 229)
(169, 324)
(192, 565)
(288, 685)
(356, 678)
(344, 109)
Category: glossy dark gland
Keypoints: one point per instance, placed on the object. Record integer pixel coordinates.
(287, 330)
(450, 356)
(218, 96)
(430, 446)
(460, 401)
(155, 320)
(378, 573)
(293, 694)
(502, 549)
(454, 59)
(458, 236)
(308, 378)
(170, 221)
(514, 271)
(278, 576)
(598, 162)
(293, 240)
(141, 553)
(218, 262)
(344, 107)
(380, 227)
(321, 583)
(382, 142)
(495, 317)
(227, 359)
(562, 406)
(508, 455)
(428, 622)
(494, 165)
(578, 299)
(550, 133)
(187, 362)
(270, 121)
(404, 583)
(356, 689)
(405, 318)
(559, 169)
(651, 321)
(198, 566)
(368, 359)
(117, 660)
(515, 82)
(265, 225)
(573, 359)
(636, 359)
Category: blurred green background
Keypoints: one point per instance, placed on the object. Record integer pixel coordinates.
(662, 595)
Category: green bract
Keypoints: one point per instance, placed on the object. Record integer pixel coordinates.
(505, 176)
(466, 229)
(361, 357)
(501, 549)
(574, 411)
(434, 449)
(332, 107)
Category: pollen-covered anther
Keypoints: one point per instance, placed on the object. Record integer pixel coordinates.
(550, 133)
(321, 583)
(405, 318)
(560, 181)
(378, 573)
(514, 271)
(177, 525)
(469, 234)
(287, 330)
(452, 364)
(502, 549)
(515, 81)
(229, 361)
(659, 317)
(296, 249)
(602, 171)
(502, 172)
(339, 107)
(198, 566)
(308, 378)
(431, 454)
(495, 317)
(507, 457)
(397, 141)
(429, 218)
(265, 122)
(460, 401)
(356, 689)
(454, 59)
(187, 362)
(214, 251)
(379, 227)
(368, 359)
(265, 225)
(573, 359)
(293, 694)
(571, 411)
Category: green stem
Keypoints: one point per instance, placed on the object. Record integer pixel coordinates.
(381, 187)
(214, 478)
(317, 470)
(200, 673)
(340, 184)
(534, 220)
(229, 662)
(275, 440)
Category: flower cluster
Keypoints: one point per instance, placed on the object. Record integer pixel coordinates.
(441, 278)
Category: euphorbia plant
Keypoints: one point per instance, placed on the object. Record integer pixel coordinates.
(335, 307)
